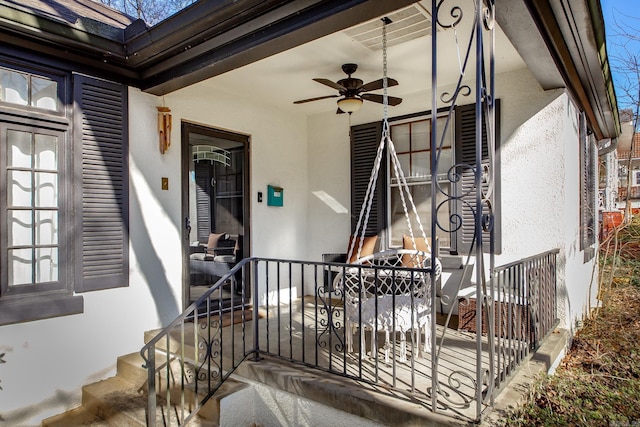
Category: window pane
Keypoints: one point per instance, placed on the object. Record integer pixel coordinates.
(420, 164)
(400, 137)
(399, 226)
(46, 191)
(20, 261)
(46, 227)
(19, 188)
(14, 87)
(444, 216)
(46, 265)
(404, 164)
(421, 195)
(46, 152)
(19, 227)
(420, 135)
(448, 140)
(44, 93)
(445, 161)
(19, 149)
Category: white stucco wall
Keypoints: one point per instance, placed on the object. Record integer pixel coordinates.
(540, 161)
(48, 361)
(307, 157)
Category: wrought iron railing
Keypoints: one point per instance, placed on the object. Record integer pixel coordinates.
(295, 312)
(519, 310)
(189, 360)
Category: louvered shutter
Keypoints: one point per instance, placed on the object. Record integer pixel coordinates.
(102, 195)
(203, 199)
(364, 145)
(465, 149)
(588, 171)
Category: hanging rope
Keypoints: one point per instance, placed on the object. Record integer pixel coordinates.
(365, 210)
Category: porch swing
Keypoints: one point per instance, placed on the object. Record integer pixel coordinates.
(390, 290)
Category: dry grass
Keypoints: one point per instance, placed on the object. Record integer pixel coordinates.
(598, 382)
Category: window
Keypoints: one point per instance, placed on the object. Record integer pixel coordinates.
(63, 211)
(32, 207)
(412, 141)
(411, 137)
(636, 178)
(24, 89)
(35, 280)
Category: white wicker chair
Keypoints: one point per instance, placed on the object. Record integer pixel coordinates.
(388, 291)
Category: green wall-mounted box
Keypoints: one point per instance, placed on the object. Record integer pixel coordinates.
(275, 196)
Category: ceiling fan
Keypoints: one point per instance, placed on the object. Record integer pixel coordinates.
(353, 91)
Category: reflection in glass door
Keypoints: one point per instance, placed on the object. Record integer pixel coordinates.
(215, 165)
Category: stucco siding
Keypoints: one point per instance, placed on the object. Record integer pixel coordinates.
(84, 348)
(309, 158)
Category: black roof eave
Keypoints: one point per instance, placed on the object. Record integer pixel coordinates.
(206, 39)
(258, 37)
(584, 66)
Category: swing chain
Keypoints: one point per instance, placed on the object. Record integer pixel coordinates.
(397, 169)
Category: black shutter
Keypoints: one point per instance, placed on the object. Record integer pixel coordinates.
(588, 189)
(203, 199)
(364, 146)
(102, 186)
(465, 119)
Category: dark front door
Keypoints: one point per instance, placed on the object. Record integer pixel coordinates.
(215, 210)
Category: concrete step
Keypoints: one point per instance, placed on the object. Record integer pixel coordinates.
(122, 400)
(360, 399)
(130, 369)
(195, 346)
(117, 401)
(79, 416)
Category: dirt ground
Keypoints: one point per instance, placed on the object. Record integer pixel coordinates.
(598, 382)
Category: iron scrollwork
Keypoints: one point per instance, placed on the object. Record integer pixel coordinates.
(331, 319)
(209, 350)
(467, 182)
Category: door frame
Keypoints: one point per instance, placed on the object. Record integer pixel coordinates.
(185, 128)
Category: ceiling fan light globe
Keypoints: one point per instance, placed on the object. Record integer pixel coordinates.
(350, 105)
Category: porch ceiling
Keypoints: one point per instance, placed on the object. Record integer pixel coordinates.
(269, 51)
(281, 79)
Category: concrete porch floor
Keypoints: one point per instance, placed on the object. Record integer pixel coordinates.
(390, 394)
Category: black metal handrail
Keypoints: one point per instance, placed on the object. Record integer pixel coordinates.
(295, 313)
(195, 343)
(525, 310)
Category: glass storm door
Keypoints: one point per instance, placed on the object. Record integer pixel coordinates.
(215, 185)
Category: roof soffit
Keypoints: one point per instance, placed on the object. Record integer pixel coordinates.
(572, 31)
(520, 27)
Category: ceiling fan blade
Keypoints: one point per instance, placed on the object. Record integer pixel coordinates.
(392, 100)
(331, 84)
(302, 101)
(378, 84)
